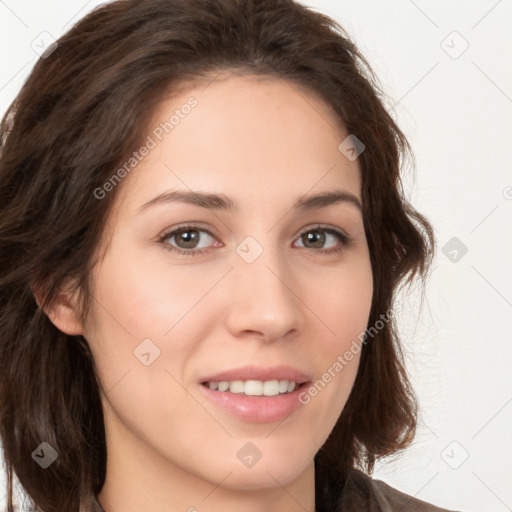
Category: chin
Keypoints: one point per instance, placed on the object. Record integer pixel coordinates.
(265, 477)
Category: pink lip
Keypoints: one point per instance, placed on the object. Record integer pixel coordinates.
(259, 373)
(256, 409)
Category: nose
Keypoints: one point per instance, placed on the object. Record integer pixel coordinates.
(263, 300)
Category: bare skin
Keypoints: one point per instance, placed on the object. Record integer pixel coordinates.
(264, 144)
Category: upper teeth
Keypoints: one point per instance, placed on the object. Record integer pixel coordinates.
(254, 387)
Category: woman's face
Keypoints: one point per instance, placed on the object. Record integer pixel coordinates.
(256, 288)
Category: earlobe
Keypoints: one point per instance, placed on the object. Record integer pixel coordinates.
(64, 313)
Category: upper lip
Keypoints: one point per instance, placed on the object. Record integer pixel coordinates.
(259, 373)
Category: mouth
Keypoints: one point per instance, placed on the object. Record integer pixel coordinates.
(257, 394)
(256, 401)
(256, 388)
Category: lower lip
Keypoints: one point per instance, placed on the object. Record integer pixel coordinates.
(256, 409)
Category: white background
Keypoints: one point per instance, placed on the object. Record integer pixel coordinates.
(456, 109)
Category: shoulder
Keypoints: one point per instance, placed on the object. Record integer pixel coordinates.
(361, 492)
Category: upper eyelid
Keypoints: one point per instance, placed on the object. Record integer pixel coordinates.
(170, 231)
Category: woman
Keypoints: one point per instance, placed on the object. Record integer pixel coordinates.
(202, 232)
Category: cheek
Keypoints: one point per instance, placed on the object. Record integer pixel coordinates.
(343, 310)
(147, 298)
(343, 303)
(145, 307)
(139, 298)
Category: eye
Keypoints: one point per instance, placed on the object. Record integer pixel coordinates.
(186, 239)
(316, 237)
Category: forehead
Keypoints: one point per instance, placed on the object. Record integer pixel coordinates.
(256, 139)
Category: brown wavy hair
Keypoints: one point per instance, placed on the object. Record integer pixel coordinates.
(85, 107)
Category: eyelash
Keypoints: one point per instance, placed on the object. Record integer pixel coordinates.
(346, 241)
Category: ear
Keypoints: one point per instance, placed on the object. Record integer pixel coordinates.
(64, 313)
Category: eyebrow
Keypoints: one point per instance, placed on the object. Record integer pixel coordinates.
(222, 202)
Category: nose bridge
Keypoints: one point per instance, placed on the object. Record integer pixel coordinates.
(262, 299)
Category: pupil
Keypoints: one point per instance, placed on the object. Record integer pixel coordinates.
(316, 237)
(188, 237)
